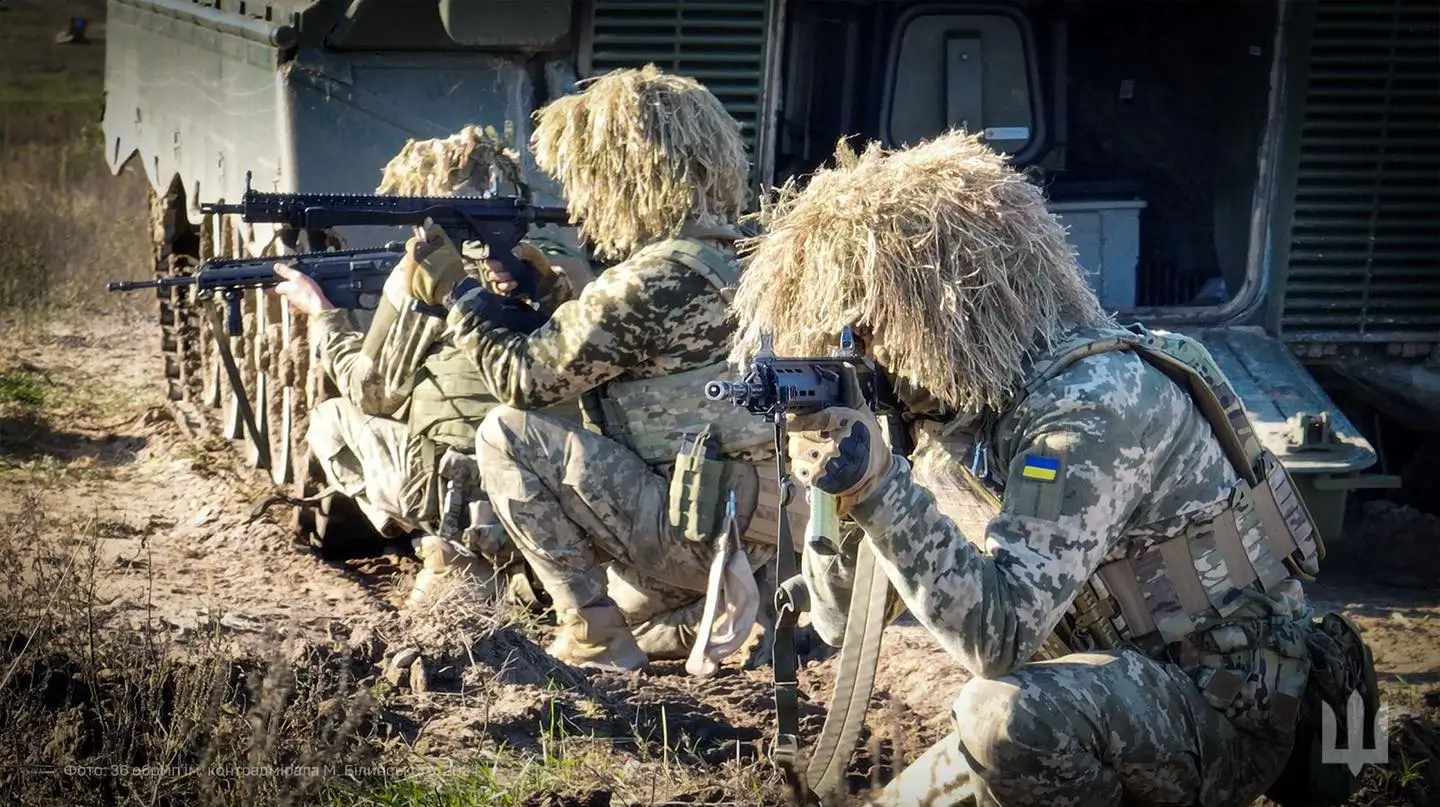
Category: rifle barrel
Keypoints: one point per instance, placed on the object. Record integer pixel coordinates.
(135, 285)
(220, 207)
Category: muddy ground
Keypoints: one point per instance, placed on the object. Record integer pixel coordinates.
(85, 438)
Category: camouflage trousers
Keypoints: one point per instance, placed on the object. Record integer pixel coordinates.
(591, 519)
(373, 460)
(1090, 729)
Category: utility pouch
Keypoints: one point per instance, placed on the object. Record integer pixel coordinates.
(695, 485)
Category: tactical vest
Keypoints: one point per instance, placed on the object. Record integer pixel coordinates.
(449, 399)
(653, 416)
(1168, 590)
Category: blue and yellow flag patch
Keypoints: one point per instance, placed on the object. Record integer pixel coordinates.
(1041, 469)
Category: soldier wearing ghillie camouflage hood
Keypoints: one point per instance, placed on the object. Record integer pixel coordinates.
(409, 401)
(1087, 522)
(654, 171)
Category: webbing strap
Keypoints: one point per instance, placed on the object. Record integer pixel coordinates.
(855, 678)
(786, 752)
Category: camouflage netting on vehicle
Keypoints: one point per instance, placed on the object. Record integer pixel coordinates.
(640, 151)
(472, 160)
(942, 251)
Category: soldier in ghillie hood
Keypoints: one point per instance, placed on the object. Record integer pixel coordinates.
(654, 171)
(409, 403)
(1086, 523)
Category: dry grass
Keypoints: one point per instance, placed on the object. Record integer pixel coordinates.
(94, 714)
(638, 152)
(67, 226)
(942, 252)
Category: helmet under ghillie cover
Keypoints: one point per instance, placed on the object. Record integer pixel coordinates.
(471, 161)
(942, 253)
(640, 152)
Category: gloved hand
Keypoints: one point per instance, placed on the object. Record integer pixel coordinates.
(432, 264)
(503, 283)
(841, 451)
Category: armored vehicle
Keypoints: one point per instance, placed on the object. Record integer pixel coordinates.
(1262, 175)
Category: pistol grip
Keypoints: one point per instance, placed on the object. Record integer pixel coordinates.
(521, 272)
(822, 530)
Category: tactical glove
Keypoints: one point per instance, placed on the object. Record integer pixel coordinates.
(841, 451)
(432, 265)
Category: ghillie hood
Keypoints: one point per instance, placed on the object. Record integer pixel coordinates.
(640, 152)
(470, 161)
(943, 252)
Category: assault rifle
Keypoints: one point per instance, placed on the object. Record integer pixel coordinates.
(772, 388)
(351, 279)
(499, 222)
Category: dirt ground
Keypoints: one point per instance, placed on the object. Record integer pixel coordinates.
(178, 555)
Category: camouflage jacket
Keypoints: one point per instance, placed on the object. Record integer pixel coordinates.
(642, 318)
(1132, 460)
(382, 389)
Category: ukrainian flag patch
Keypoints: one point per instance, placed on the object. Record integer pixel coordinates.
(1041, 469)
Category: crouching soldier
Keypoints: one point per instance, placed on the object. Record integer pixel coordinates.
(399, 440)
(1087, 522)
(657, 190)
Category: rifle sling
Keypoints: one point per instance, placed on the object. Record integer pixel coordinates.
(786, 752)
(237, 386)
(855, 678)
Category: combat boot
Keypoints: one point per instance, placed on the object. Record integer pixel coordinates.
(447, 567)
(596, 636)
(671, 634)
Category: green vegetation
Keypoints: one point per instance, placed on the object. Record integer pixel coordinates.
(22, 387)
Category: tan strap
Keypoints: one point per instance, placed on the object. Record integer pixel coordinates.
(1161, 596)
(764, 525)
(1227, 541)
(720, 269)
(1222, 409)
(1268, 568)
(1123, 583)
(1272, 520)
(1180, 569)
(1220, 562)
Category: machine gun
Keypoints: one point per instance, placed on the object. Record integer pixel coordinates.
(772, 388)
(351, 279)
(499, 222)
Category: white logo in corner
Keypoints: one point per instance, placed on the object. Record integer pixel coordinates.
(1354, 754)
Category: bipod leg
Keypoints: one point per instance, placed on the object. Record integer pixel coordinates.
(242, 400)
